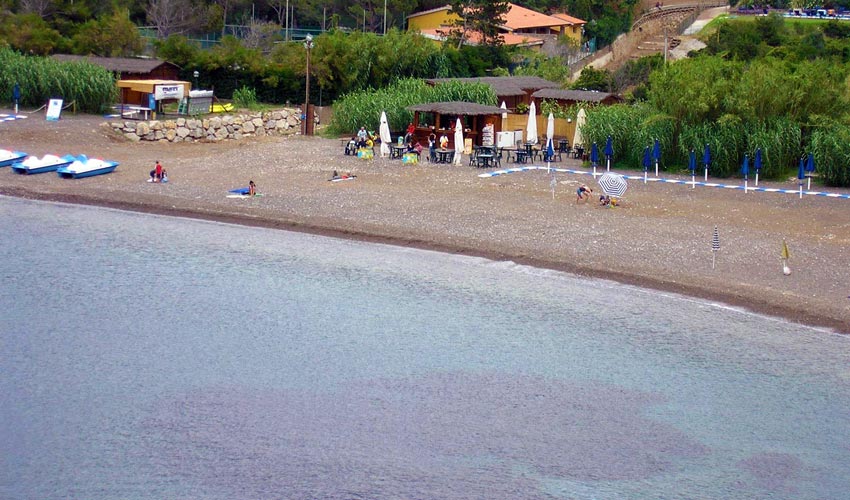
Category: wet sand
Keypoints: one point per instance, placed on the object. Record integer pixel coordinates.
(659, 238)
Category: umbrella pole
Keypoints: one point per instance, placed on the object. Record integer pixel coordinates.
(608, 164)
(801, 190)
(809, 185)
(757, 178)
(594, 171)
(745, 186)
(656, 170)
(693, 180)
(644, 176)
(706, 174)
(713, 259)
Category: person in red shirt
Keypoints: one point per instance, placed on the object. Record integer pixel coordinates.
(157, 173)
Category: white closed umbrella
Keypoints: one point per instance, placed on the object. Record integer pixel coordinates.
(531, 129)
(505, 113)
(386, 138)
(581, 117)
(458, 141)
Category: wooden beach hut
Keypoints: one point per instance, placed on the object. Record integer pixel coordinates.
(439, 118)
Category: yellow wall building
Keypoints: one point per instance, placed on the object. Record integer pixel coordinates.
(520, 27)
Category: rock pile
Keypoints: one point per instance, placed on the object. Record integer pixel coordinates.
(216, 128)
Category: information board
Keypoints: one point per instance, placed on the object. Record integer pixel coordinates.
(54, 109)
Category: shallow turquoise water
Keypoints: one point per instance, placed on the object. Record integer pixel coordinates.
(155, 357)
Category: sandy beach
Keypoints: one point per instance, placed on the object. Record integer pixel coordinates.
(659, 238)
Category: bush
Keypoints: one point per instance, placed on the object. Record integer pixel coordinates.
(245, 98)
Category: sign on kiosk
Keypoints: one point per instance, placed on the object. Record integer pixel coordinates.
(168, 92)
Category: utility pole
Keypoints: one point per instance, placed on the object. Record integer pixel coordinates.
(385, 17)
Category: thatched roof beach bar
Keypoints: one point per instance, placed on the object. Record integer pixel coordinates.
(440, 118)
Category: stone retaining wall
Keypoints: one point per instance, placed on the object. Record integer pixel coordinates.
(216, 128)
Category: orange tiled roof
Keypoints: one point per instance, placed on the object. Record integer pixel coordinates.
(521, 18)
(568, 18)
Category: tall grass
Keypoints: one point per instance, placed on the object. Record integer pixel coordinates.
(363, 108)
(730, 139)
(41, 78)
(831, 149)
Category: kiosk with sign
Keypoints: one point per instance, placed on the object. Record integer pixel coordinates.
(142, 99)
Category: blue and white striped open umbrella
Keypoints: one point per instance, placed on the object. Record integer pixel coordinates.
(613, 184)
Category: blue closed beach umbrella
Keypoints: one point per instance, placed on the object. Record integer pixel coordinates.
(706, 159)
(745, 167)
(801, 172)
(656, 155)
(594, 157)
(692, 166)
(609, 152)
(810, 169)
(757, 164)
(646, 160)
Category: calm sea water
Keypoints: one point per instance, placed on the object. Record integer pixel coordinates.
(154, 357)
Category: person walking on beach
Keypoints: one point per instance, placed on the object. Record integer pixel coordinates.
(583, 193)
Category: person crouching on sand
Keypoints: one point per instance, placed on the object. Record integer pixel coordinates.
(252, 188)
(583, 193)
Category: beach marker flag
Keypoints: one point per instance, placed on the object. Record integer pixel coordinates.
(757, 164)
(715, 246)
(646, 162)
(785, 255)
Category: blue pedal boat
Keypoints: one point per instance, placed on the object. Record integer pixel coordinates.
(9, 157)
(86, 167)
(47, 163)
